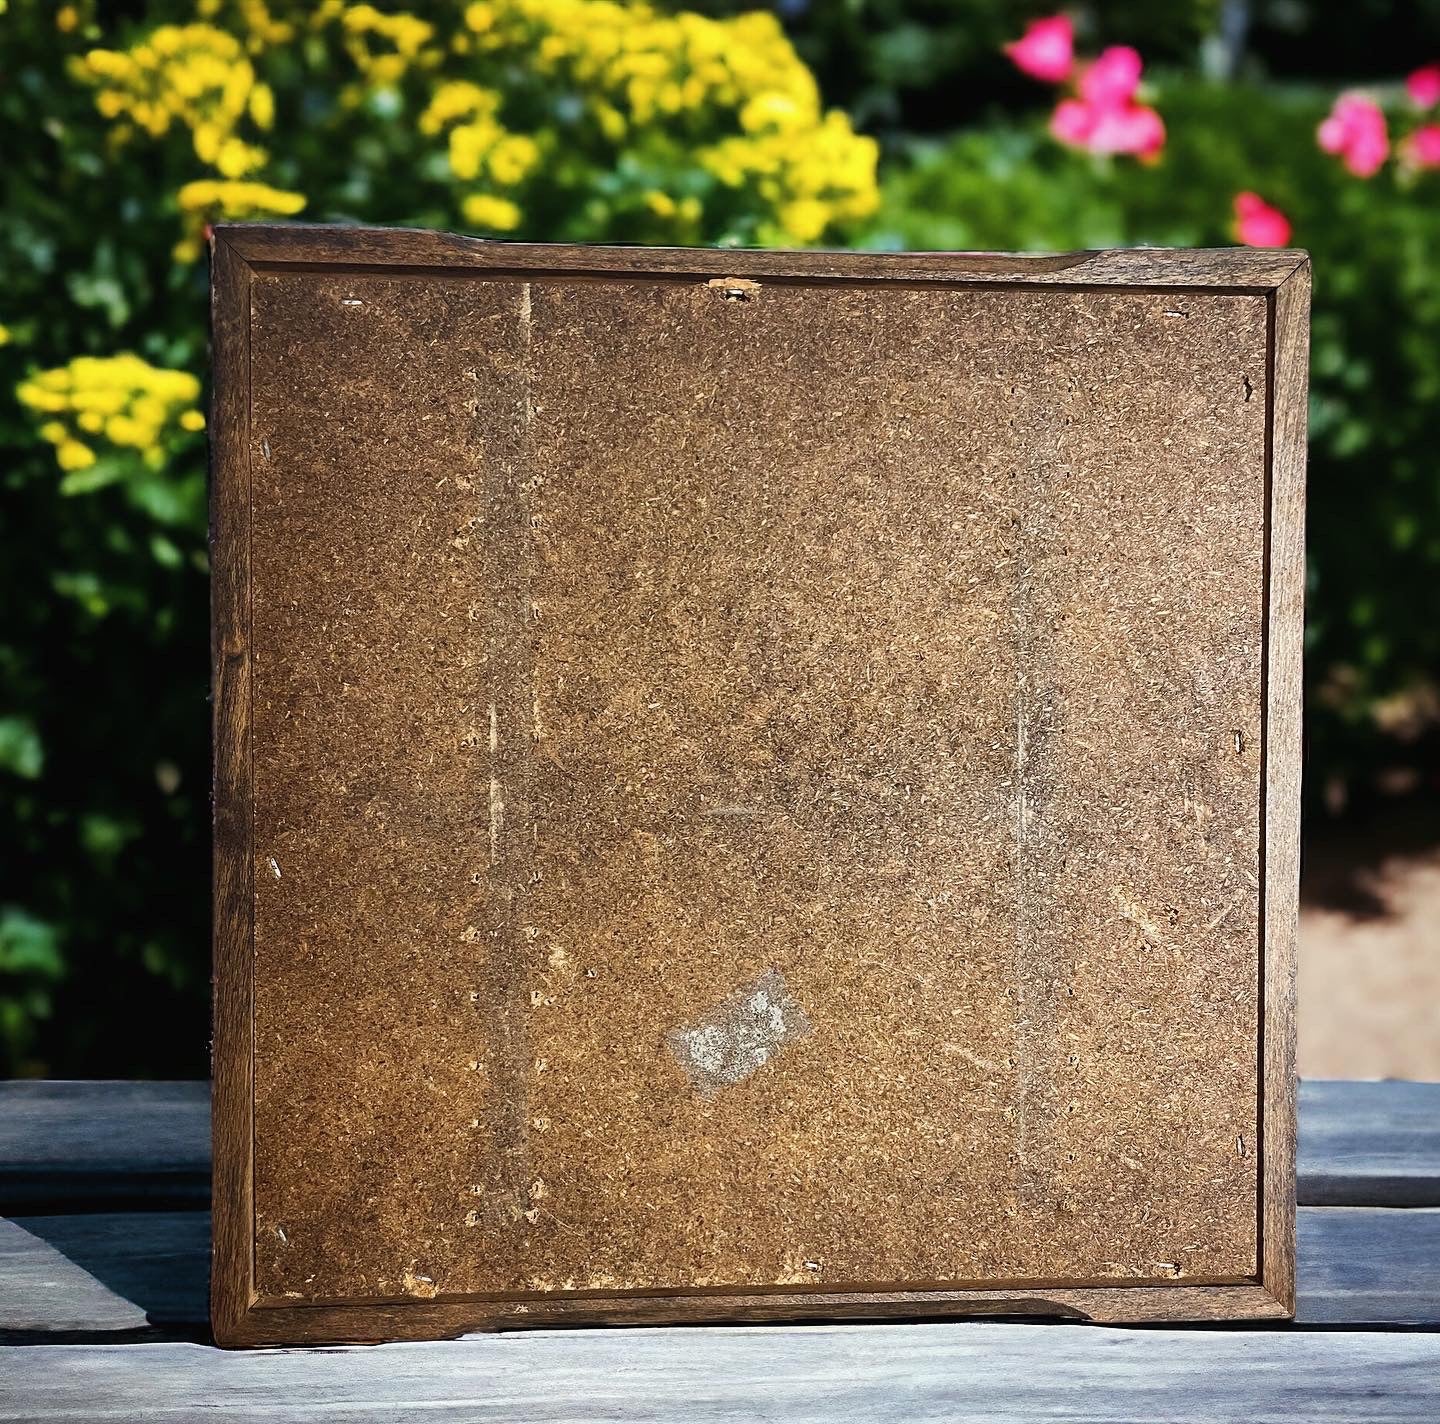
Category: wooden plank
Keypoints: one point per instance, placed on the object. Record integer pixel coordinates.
(265, 245)
(130, 1272)
(948, 1374)
(1369, 1144)
(69, 1146)
(387, 416)
(233, 877)
(103, 1273)
(1280, 862)
(100, 1144)
(1369, 1266)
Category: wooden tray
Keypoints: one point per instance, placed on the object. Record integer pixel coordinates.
(751, 784)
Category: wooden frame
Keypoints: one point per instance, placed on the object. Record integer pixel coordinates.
(1281, 277)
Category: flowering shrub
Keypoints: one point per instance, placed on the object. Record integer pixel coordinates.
(560, 119)
(190, 77)
(120, 420)
(1357, 130)
(643, 125)
(1104, 115)
(586, 120)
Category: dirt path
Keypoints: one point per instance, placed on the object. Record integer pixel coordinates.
(1370, 950)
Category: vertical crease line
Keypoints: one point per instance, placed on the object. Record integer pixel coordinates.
(509, 658)
(1020, 617)
(518, 677)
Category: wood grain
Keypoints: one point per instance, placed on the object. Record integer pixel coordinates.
(1284, 683)
(1258, 270)
(1369, 1144)
(127, 1275)
(87, 1146)
(368, 1207)
(1368, 1266)
(942, 1374)
(233, 891)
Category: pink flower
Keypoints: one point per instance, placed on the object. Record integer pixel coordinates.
(1355, 130)
(1423, 86)
(1072, 122)
(1257, 224)
(1104, 116)
(1046, 50)
(1132, 128)
(1111, 80)
(1422, 148)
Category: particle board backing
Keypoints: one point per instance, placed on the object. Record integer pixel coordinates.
(750, 786)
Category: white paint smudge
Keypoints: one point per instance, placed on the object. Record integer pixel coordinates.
(740, 1036)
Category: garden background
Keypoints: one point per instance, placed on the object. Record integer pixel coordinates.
(128, 127)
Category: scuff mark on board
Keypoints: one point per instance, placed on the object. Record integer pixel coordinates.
(418, 1284)
(740, 1036)
(734, 289)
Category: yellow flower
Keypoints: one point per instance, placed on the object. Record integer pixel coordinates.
(235, 158)
(120, 400)
(196, 76)
(622, 80)
(262, 27)
(4, 334)
(731, 93)
(469, 144)
(122, 430)
(39, 399)
(262, 105)
(384, 47)
(486, 210)
(455, 101)
(805, 219)
(72, 455)
(512, 158)
(208, 199)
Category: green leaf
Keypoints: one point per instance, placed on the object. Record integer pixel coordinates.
(21, 750)
(104, 836)
(93, 477)
(165, 553)
(103, 292)
(29, 945)
(169, 499)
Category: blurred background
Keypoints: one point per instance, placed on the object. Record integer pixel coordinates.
(129, 127)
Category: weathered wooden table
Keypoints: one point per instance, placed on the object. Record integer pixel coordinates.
(103, 1258)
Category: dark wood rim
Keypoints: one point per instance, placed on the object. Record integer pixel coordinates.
(238, 1316)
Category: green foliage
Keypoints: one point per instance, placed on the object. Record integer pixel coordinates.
(30, 962)
(572, 119)
(1374, 499)
(20, 749)
(922, 66)
(106, 189)
(102, 639)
